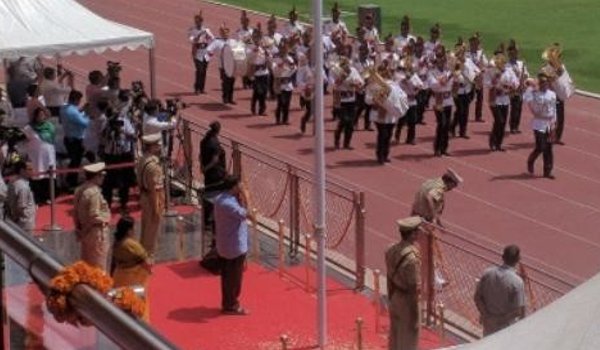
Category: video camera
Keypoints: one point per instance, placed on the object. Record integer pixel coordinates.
(113, 69)
(173, 106)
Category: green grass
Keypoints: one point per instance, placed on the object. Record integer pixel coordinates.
(533, 23)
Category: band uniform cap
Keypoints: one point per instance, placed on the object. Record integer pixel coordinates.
(152, 138)
(454, 176)
(95, 168)
(409, 224)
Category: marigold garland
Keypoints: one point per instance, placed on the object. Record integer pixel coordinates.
(81, 272)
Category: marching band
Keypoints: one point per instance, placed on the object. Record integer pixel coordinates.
(367, 77)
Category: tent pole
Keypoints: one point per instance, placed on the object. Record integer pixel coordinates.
(152, 64)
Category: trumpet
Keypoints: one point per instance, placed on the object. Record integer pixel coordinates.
(376, 85)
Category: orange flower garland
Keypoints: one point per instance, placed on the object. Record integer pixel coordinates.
(81, 272)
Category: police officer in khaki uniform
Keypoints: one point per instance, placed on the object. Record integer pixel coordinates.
(92, 217)
(152, 191)
(429, 201)
(403, 265)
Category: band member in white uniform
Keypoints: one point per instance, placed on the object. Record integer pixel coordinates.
(411, 84)
(258, 61)
(244, 34)
(516, 96)
(405, 36)
(500, 81)
(477, 56)
(305, 84)
(293, 29)
(362, 108)
(216, 47)
(442, 84)
(335, 27)
(421, 61)
(389, 104)
(284, 68)
(271, 43)
(463, 71)
(434, 40)
(542, 103)
(200, 37)
(345, 80)
(370, 34)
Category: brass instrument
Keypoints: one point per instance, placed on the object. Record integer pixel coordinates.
(553, 56)
(376, 85)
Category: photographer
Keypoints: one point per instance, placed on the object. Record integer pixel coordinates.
(117, 147)
(154, 122)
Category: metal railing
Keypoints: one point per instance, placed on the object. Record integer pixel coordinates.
(281, 190)
(121, 328)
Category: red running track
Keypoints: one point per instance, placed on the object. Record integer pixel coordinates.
(555, 222)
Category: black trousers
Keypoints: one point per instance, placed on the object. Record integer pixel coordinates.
(75, 152)
(201, 67)
(443, 116)
(122, 179)
(477, 95)
(271, 85)
(260, 88)
(422, 98)
(461, 114)
(516, 106)
(560, 119)
(364, 109)
(227, 85)
(384, 138)
(232, 271)
(307, 113)
(282, 112)
(543, 145)
(40, 189)
(498, 129)
(410, 120)
(346, 115)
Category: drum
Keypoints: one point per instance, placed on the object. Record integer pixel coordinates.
(235, 61)
(563, 86)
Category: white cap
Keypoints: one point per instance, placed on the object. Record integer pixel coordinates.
(94, 168)
(152, 138)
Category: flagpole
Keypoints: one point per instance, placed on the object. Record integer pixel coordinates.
(319, 181)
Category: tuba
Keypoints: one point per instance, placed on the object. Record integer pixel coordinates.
(552, 55)
(376, 85)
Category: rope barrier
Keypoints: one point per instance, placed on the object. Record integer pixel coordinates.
(285, 187)
(528, 286)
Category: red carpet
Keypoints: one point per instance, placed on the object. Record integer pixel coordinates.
(186, 308)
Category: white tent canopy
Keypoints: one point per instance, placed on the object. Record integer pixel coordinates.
(570, 323)
(34, 28)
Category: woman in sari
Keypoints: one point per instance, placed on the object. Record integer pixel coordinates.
(130, 265)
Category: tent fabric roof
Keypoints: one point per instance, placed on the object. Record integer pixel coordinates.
(33, 28)
(570, 323)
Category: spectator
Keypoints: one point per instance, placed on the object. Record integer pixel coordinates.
(34, 101)
(500, 293)
(93, 133)
(131, 265)
(7, 115)
(114, 87)
(232, 241)
(40, 152)
(21, 73)
(3, 190)
(151, 121)
(54, 90)
(117, 146)
(20, 205)
(75, 123)
(95, 91)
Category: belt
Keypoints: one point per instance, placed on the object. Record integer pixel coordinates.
(443, 95)
(346, 94)
(285, 80)
(260, 66)
(202, 45)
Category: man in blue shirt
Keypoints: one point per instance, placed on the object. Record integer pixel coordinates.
(231, 228)
(75, 123)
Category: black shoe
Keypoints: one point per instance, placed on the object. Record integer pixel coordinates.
(549, 176)
(387, 160)
(479, 121)
(446, 154)
(501, 149)
(530, 168)
(466, 137)
(348, 147)
(422, 123)
(369, 129)
(437, 154)
(411, 143)
(559, 143)
(232, 102)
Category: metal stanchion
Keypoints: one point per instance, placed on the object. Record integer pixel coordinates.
(169, 212)
(53, 227)
(359, 335)
(359, 202)
(442, 321)
(284, 341)
(281, 254)
(377, 297)
(430, 281)
(307, 261)
(255, 241)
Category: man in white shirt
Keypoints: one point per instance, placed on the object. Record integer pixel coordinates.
(54, 90)
(20, 204)
(335, 27)
(404, 37)
(345, 81)
(385, 113)
(258, 59)
(200, 37)
(293, 29)
(217, 47)
(152, 123)
(442, 84)
(542, 103)
(501, 82)
(244, 34)
(305, 83)
(477, 56)
(284, 68)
